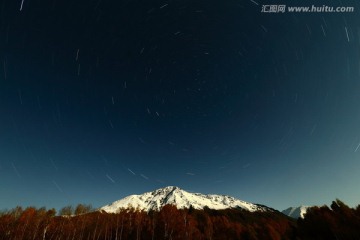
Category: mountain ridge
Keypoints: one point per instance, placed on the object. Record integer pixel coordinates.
(173, 195)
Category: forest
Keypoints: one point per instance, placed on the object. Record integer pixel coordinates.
(82, 222)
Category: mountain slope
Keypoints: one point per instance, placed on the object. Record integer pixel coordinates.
(181, 199)
(296, 212)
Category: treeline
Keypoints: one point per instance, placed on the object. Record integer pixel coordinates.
(82, 223)
(169, 223)
(334, 223)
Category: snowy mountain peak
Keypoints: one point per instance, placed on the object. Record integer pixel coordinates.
(172, 195)
(296, 212)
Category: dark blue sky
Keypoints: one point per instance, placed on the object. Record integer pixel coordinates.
(102, 99)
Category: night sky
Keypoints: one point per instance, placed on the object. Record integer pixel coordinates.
(100, 99)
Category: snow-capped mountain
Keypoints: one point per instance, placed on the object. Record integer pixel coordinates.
(181, 199)
(296, 212)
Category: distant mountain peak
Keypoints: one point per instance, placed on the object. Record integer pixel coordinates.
(296, 212)
(173, 195)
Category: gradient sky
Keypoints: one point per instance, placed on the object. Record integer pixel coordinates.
(100, 99)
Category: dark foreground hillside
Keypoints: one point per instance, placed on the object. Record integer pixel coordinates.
(337, 222)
